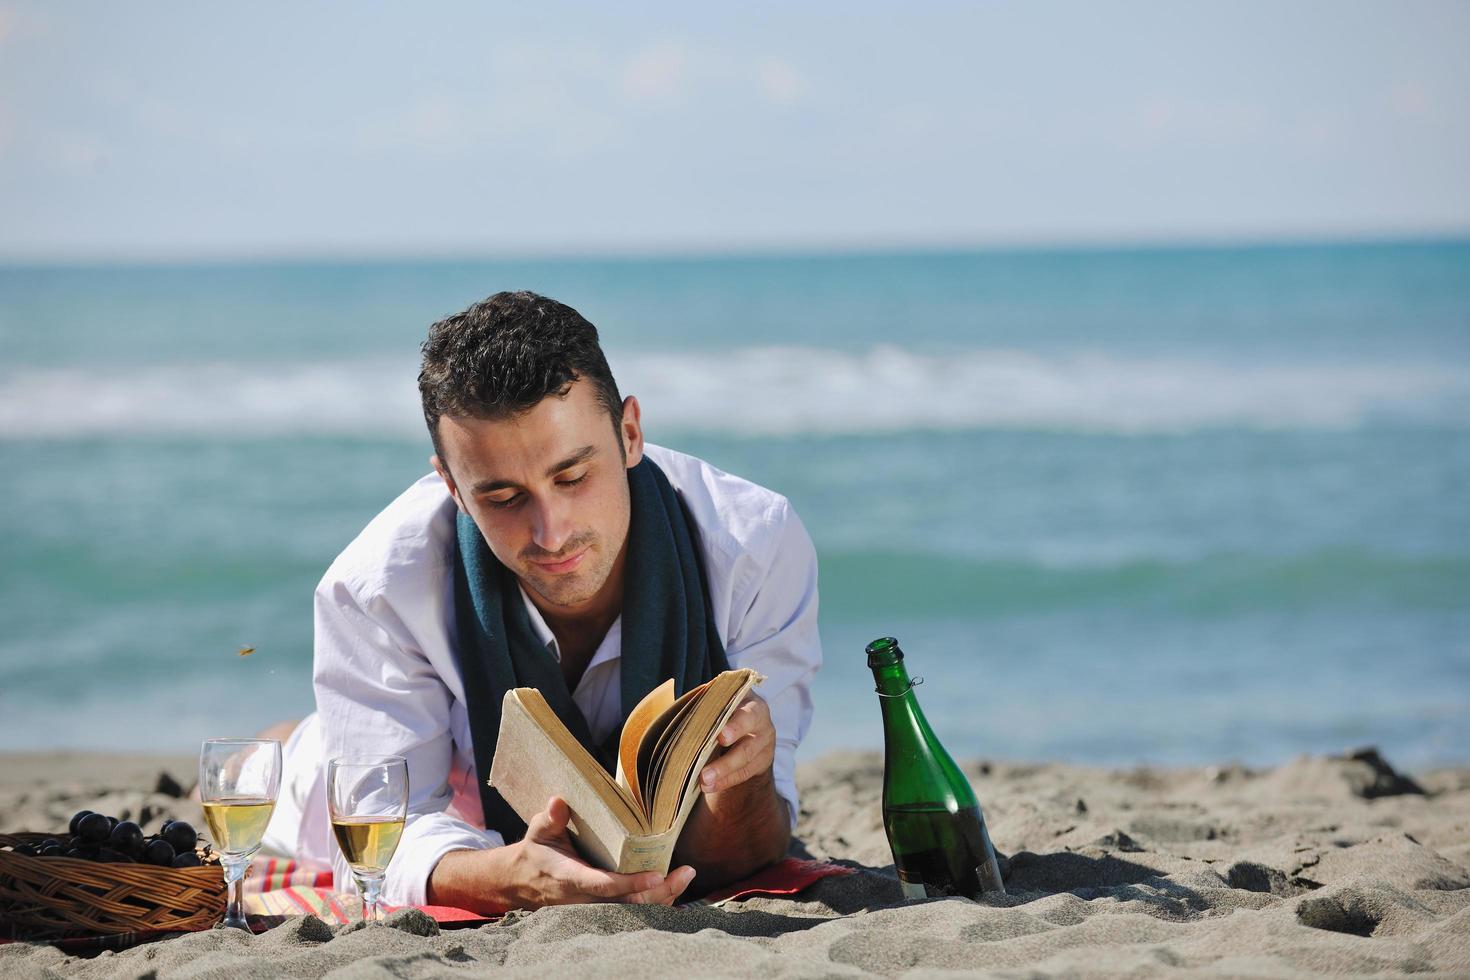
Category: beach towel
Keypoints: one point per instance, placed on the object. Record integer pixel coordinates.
(278, 889)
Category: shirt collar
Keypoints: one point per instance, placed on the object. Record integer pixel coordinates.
(543, 632)
(611, 647)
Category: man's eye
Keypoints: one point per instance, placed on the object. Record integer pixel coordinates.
(502, 504)
(572, 483)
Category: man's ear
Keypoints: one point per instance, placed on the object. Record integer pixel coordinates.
(632, 432)
(443, 471)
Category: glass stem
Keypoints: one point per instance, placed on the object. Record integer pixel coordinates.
(371, 887)
(235, 883)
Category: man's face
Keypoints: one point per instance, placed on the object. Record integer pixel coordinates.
(549, 492)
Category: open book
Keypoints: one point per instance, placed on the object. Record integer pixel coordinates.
(629, 823)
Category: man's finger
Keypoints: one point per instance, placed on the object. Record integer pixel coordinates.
(613, 887)
(668, 892)
(550, 822)
(741, 761)
(750, 718)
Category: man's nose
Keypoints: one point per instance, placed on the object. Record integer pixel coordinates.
(550, 524)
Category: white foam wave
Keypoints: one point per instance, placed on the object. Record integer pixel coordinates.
(774, 390)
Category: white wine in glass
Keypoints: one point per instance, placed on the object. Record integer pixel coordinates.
(239, 779)
(367, 799)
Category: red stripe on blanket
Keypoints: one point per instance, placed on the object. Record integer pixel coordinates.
(276, 873)
(786, 877)
(306, 907)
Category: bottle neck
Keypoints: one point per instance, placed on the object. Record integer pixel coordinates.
(900, 706)
(892, 681)
(901, 712)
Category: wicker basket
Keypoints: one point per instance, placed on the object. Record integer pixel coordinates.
(58, 898)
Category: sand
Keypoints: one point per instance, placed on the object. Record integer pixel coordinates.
(1321, 866)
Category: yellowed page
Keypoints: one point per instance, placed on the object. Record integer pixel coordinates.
(645, 713)
(656, 741)
(693, 745)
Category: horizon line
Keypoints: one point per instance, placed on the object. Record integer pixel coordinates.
(706, 252)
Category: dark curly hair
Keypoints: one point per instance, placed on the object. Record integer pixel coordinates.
(502, 356)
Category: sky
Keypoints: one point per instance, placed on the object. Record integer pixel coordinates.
(154, 130)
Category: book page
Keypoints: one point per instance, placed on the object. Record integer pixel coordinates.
(655, 742)
(691, 747)
(644, 714)
(654, 736)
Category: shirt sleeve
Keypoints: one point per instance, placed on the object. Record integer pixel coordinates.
(377, 694)
(774, 631)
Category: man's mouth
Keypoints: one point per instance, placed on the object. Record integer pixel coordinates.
(562, 566)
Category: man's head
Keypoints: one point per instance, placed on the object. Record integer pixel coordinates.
(518, 399)
(502, 356)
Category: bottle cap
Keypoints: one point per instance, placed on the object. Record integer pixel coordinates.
(883, 652)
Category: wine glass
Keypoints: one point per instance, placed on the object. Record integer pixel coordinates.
(239, 779)
(367, 799)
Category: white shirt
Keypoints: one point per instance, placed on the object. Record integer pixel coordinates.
(387, 682)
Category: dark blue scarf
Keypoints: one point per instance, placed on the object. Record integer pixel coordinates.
(668, 629)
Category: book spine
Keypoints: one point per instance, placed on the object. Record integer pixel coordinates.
(652, 853)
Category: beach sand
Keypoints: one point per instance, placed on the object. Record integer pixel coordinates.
(1320, 866)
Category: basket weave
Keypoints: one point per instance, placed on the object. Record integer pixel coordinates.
(58, 898)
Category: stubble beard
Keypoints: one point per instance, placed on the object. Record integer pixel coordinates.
(575, 587)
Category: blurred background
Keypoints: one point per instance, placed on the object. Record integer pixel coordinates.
(1117, 357)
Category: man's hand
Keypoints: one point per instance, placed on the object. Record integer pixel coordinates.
(740, 824)
(543, 869)
(551, 873)
(749, 742)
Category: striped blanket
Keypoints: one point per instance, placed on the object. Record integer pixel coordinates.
(277, 889)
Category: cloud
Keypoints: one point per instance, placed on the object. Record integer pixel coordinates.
(780, 82)
(438, 123)
(73, 152)
(532, 103)
(1412, 99)
(1213, 122)
(670, 72)
(659, 72)
(20, 25)
(914, 120)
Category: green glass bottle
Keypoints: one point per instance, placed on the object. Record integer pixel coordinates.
(934, 824)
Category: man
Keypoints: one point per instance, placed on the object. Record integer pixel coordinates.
(552, 547)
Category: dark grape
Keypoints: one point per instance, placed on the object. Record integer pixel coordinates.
(54, 850)
(94, 828)
(108, 855)
(111, 823)
(186, 860)
(76, 819)
(127, 837)
(159, 851)
(29, 850)
(75, 852)
(181, 835)
(50, 842)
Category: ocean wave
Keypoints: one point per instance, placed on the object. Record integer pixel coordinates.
(763, 391)
(862, 583)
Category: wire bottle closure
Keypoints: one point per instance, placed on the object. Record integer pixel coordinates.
(913, 683)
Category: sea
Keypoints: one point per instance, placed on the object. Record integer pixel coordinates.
(1120, 506)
